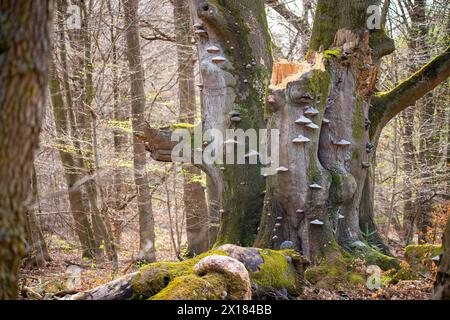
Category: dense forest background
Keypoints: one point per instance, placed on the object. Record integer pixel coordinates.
(101, 206)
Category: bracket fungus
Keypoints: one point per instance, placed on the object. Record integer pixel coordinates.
(213, 49)
(306, 98)
(301, 139)
(235, 119)
(343, 143)
(198, 25)
(317, 222)
(365, 165)
(311, 111)
(201, 32)
(303, 120)
(312, 126)
(325, 121)
(299, 211)
(282, 169)
(235, 113)
(218, 59)
(315, 186)
(340, 216)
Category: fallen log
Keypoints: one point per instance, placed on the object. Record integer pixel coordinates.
(228, 272)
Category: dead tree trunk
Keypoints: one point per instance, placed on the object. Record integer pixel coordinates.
(146, 220)
(25, 28)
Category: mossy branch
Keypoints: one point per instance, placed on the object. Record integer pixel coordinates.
(386, 105)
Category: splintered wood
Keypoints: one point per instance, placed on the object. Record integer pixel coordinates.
(284, 71)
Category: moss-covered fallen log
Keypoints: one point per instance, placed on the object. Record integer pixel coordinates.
(228, 272)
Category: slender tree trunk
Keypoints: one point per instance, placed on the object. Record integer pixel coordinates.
(82, 225)
(38, 251)
(195, 209)
(409, 163)
(120, 137)
(25, 28)
(146, 220)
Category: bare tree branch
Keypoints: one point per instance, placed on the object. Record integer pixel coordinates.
(296, 21)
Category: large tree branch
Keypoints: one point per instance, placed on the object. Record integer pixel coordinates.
(386, 105)
(158, 141)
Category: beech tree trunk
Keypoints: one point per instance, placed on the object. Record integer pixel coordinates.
(195, 209)
(25, 28)
(238, 84)
(146, 220)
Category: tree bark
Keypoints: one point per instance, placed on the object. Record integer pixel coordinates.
(146, 220)
(25, 28)
(442, 284)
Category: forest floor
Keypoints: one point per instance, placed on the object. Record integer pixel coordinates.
(51, 281)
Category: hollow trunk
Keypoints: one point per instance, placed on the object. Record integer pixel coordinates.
(25, 28)
(195, 209)
(146, 220)
(323, 113)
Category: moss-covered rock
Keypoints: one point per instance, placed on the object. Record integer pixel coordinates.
(154, 277)
(420, 257)
(269, 271)
(214, 277)
(335, 272)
